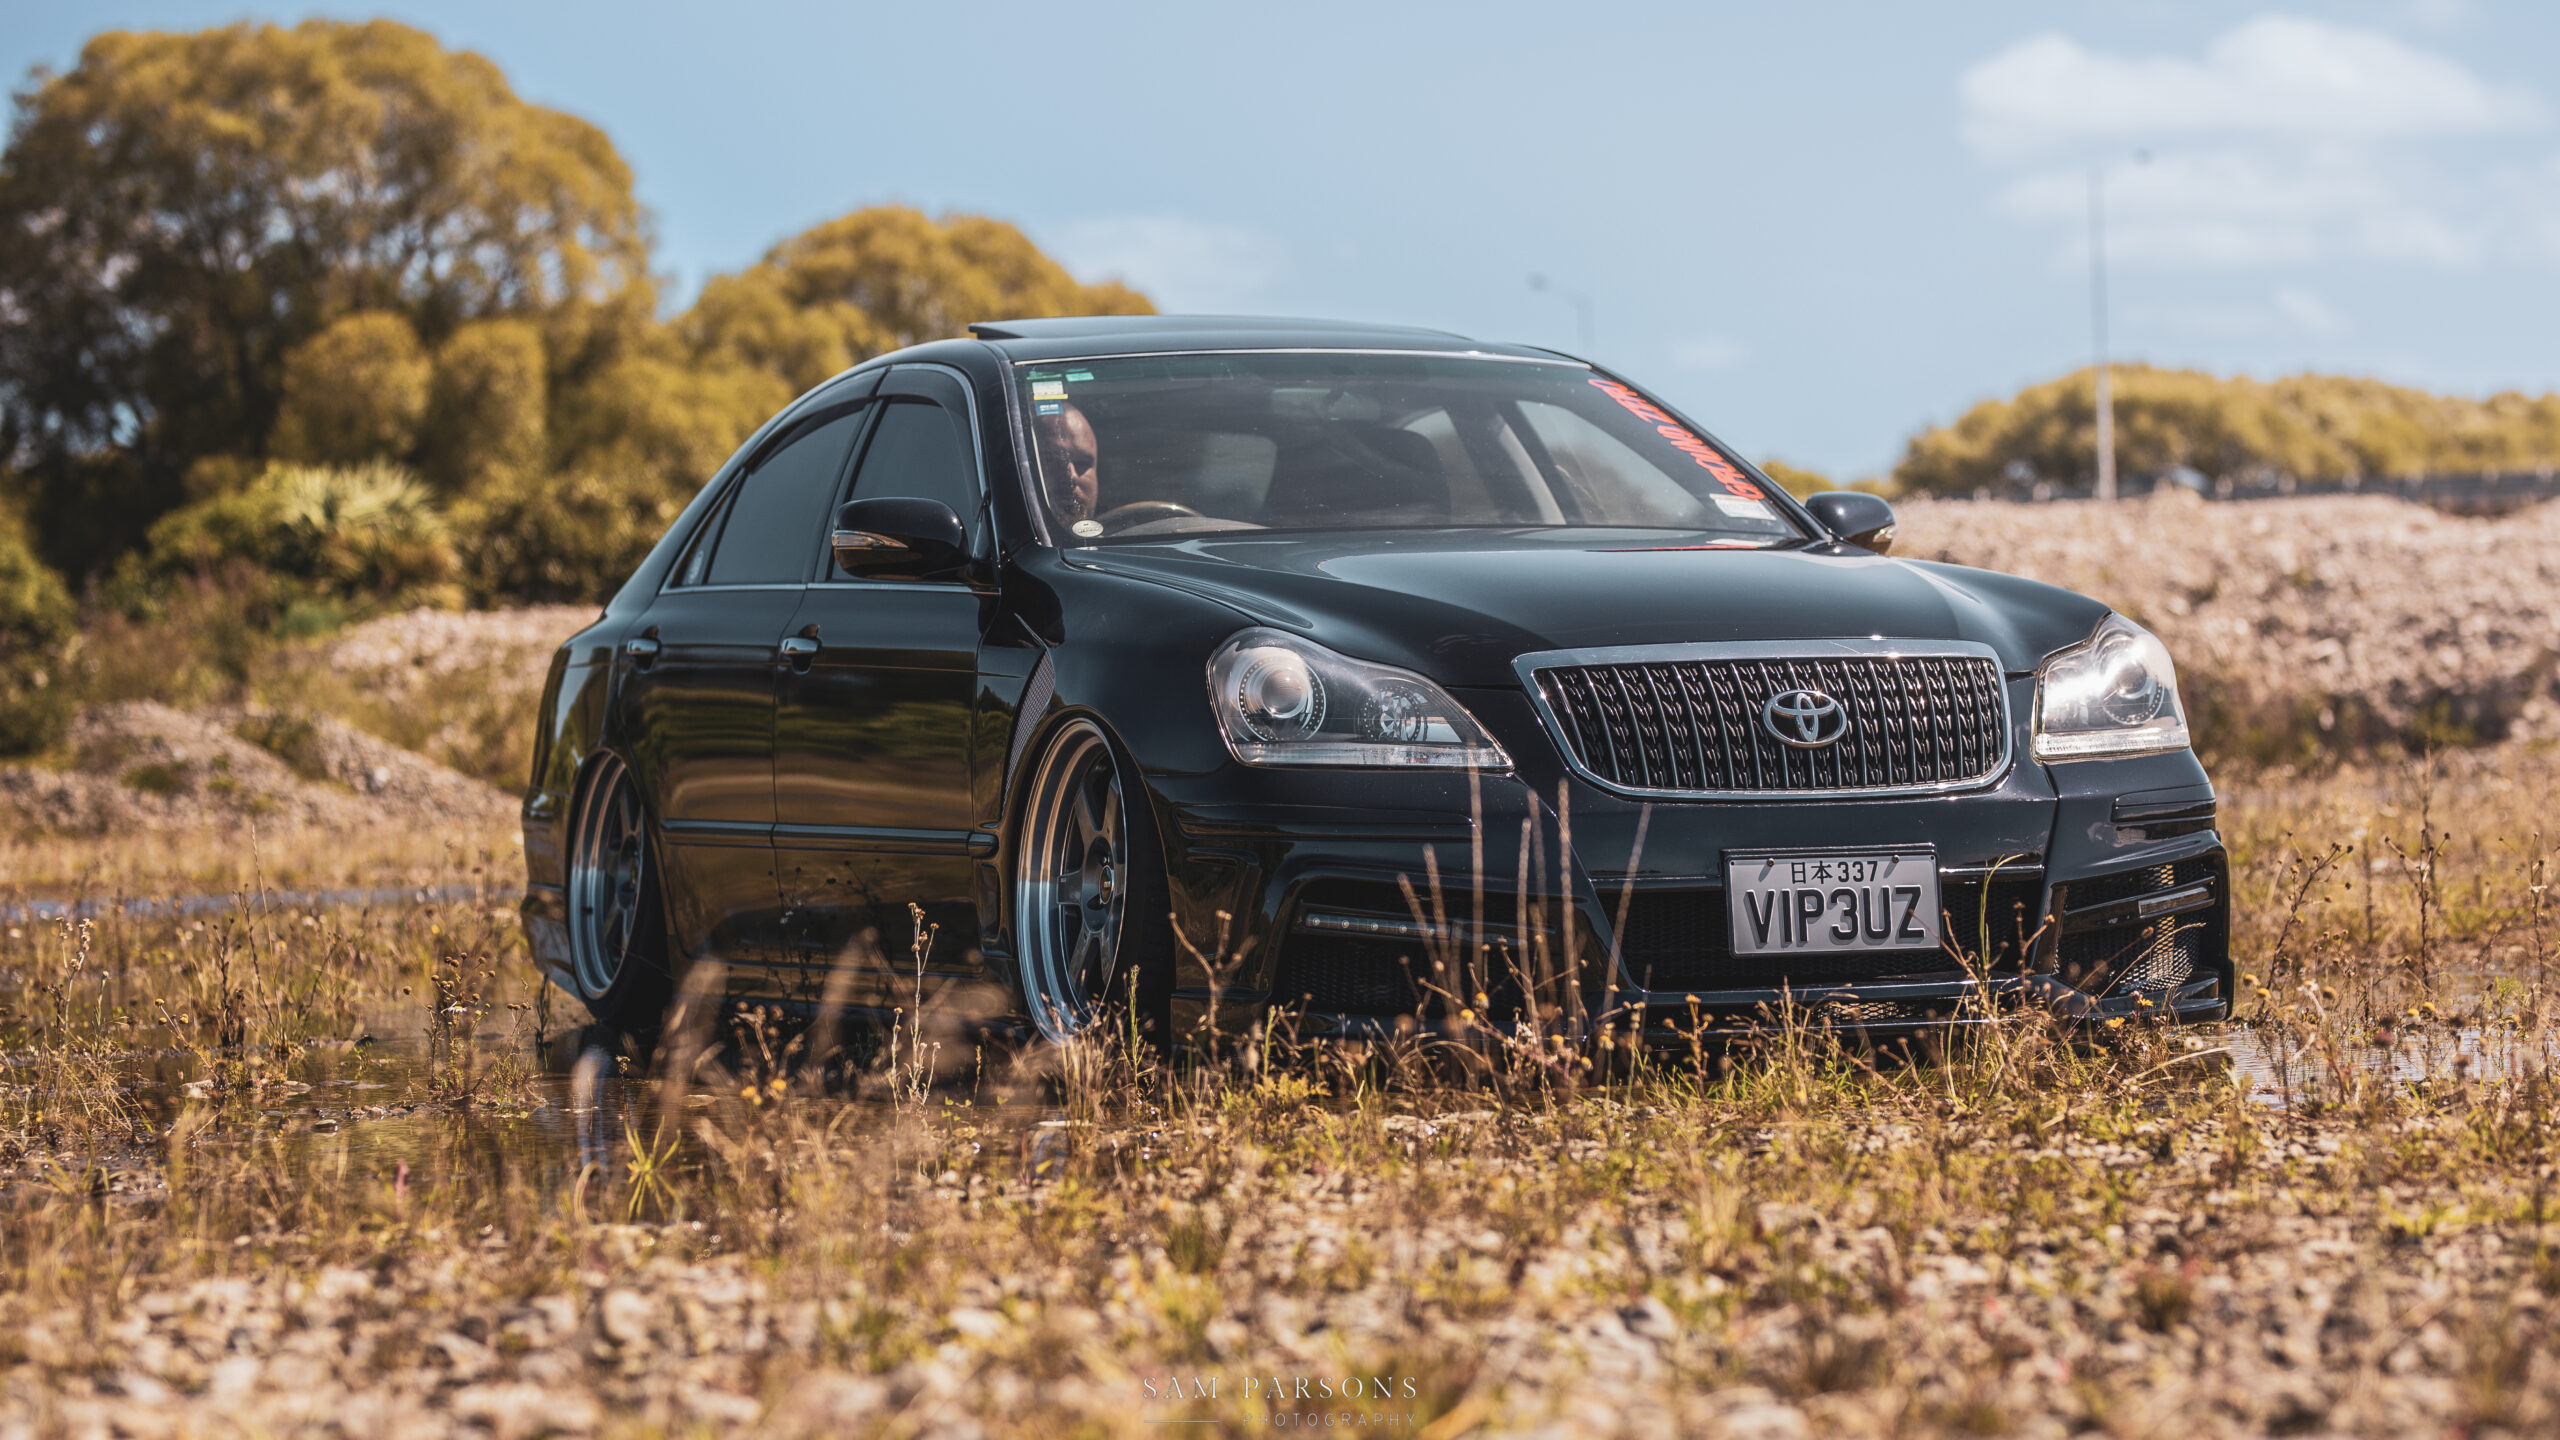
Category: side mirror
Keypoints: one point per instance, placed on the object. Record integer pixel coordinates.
(1857, 517)
(897, 535)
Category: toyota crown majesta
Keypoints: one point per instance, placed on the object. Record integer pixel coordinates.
(1173, 665)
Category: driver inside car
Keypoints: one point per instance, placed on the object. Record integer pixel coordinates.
(1070, 463)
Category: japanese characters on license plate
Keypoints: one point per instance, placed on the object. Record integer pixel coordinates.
(1817, 902)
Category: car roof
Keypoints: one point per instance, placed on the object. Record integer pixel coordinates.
(1061, 337)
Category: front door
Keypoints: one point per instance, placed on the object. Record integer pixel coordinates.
(698, 693)
(872, 730)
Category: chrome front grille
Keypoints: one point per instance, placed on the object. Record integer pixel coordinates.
(1689, 720)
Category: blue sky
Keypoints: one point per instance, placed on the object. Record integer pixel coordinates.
(1818, 228)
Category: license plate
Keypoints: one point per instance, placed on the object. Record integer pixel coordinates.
(1824, 902)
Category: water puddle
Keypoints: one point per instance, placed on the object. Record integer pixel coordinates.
(21, 912)
(2284, 1072)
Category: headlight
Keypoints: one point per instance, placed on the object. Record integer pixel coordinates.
(2117, 694)
(1281, 700)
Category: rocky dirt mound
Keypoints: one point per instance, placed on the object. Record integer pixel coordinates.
(401, 651)
(146, 766)
(2332, 618)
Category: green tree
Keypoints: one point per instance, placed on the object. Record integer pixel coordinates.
(36, 644)
(180, 212)
(879, 279)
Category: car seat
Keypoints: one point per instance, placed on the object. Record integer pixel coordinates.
(1359, 475)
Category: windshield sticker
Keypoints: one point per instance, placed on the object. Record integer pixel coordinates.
(1048, 389)
(1051, 407)
(1087, 528)
(1079, 374)
(1736, 483)
(1745, 509)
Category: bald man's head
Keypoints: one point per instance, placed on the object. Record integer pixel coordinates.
(1070, 463)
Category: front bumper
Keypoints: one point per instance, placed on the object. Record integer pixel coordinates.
(1370, 904)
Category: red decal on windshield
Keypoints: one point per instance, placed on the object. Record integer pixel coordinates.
(1710, 545)
(1682, 439)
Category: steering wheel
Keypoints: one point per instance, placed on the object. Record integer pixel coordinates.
(1140, 512)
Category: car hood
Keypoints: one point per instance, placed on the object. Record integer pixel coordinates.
(1459, 606)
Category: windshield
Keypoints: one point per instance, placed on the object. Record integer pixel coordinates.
(1159, 445)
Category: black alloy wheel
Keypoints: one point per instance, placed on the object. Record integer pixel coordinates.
(1089, 894)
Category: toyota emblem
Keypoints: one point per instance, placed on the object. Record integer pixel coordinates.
(1805, 719)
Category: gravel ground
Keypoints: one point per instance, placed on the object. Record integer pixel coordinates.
(419, 646)
(2177, 1280)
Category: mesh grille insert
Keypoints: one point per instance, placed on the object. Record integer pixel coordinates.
(2126, 884)
(2122, 954)
(1913, 721)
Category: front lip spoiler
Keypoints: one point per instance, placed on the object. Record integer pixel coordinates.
(1678, 1018)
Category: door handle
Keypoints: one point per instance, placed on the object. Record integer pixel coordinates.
(642, 649)
(799, 650)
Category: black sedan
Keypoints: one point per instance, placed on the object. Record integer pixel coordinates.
(1180, 669)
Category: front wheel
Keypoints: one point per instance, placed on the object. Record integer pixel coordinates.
(1089, 894)
(617, 921)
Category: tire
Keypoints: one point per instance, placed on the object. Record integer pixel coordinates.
(1091, 929)
(617, 909)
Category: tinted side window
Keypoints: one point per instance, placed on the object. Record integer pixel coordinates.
(919, 451)
(780, 509)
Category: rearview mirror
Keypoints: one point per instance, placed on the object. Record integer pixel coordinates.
(898, 535)
(1857, 517)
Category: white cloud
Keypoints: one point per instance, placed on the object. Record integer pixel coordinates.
(1708, 352)
(2288, 141)
(1183, 264)
(2276, 75)
(2240, 205)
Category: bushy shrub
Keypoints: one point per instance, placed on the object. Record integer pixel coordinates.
(659, 422)
(353, 393)
(485, 412)
(569, 538)
(365, 536)
(2311, 427)
(1798, 481)
(37, 644)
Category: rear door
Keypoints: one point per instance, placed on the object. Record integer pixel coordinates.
(872, 734)
(699, 691)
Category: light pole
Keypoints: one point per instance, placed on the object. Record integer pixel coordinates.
(1581, 304)
(2098, 325)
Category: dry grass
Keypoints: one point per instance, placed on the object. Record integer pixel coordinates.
(2030, 1234)
(2337, 1217)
